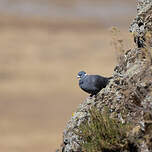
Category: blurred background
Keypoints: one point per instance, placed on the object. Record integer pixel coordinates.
(43, 45)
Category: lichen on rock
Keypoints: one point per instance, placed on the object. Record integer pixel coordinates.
(128, 96)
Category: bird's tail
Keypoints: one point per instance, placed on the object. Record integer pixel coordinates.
(110, 78)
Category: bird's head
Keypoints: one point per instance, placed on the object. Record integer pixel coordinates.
(81, 74)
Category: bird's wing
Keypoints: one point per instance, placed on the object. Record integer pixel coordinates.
(99, 81)
(93, 83)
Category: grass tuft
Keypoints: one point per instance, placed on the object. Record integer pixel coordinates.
(118, 43)
(102, 133)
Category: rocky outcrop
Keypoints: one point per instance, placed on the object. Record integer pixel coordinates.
(128, 96)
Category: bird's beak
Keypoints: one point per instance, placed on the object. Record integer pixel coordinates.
(78, 77)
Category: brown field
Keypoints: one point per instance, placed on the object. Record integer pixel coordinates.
(39, 90)
(39, 61)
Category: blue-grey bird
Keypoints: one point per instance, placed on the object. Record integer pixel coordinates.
(92, 84)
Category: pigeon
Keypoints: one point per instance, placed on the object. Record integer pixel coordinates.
(92, 84)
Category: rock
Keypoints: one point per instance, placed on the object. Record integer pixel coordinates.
(143, 22)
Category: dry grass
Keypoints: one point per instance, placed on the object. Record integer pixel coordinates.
(102, 133)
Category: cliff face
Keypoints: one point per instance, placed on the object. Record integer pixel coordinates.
(128, 96)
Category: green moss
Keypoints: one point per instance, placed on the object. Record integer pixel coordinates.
(102, 133)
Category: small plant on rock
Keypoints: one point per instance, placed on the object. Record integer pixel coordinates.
(102, 133)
